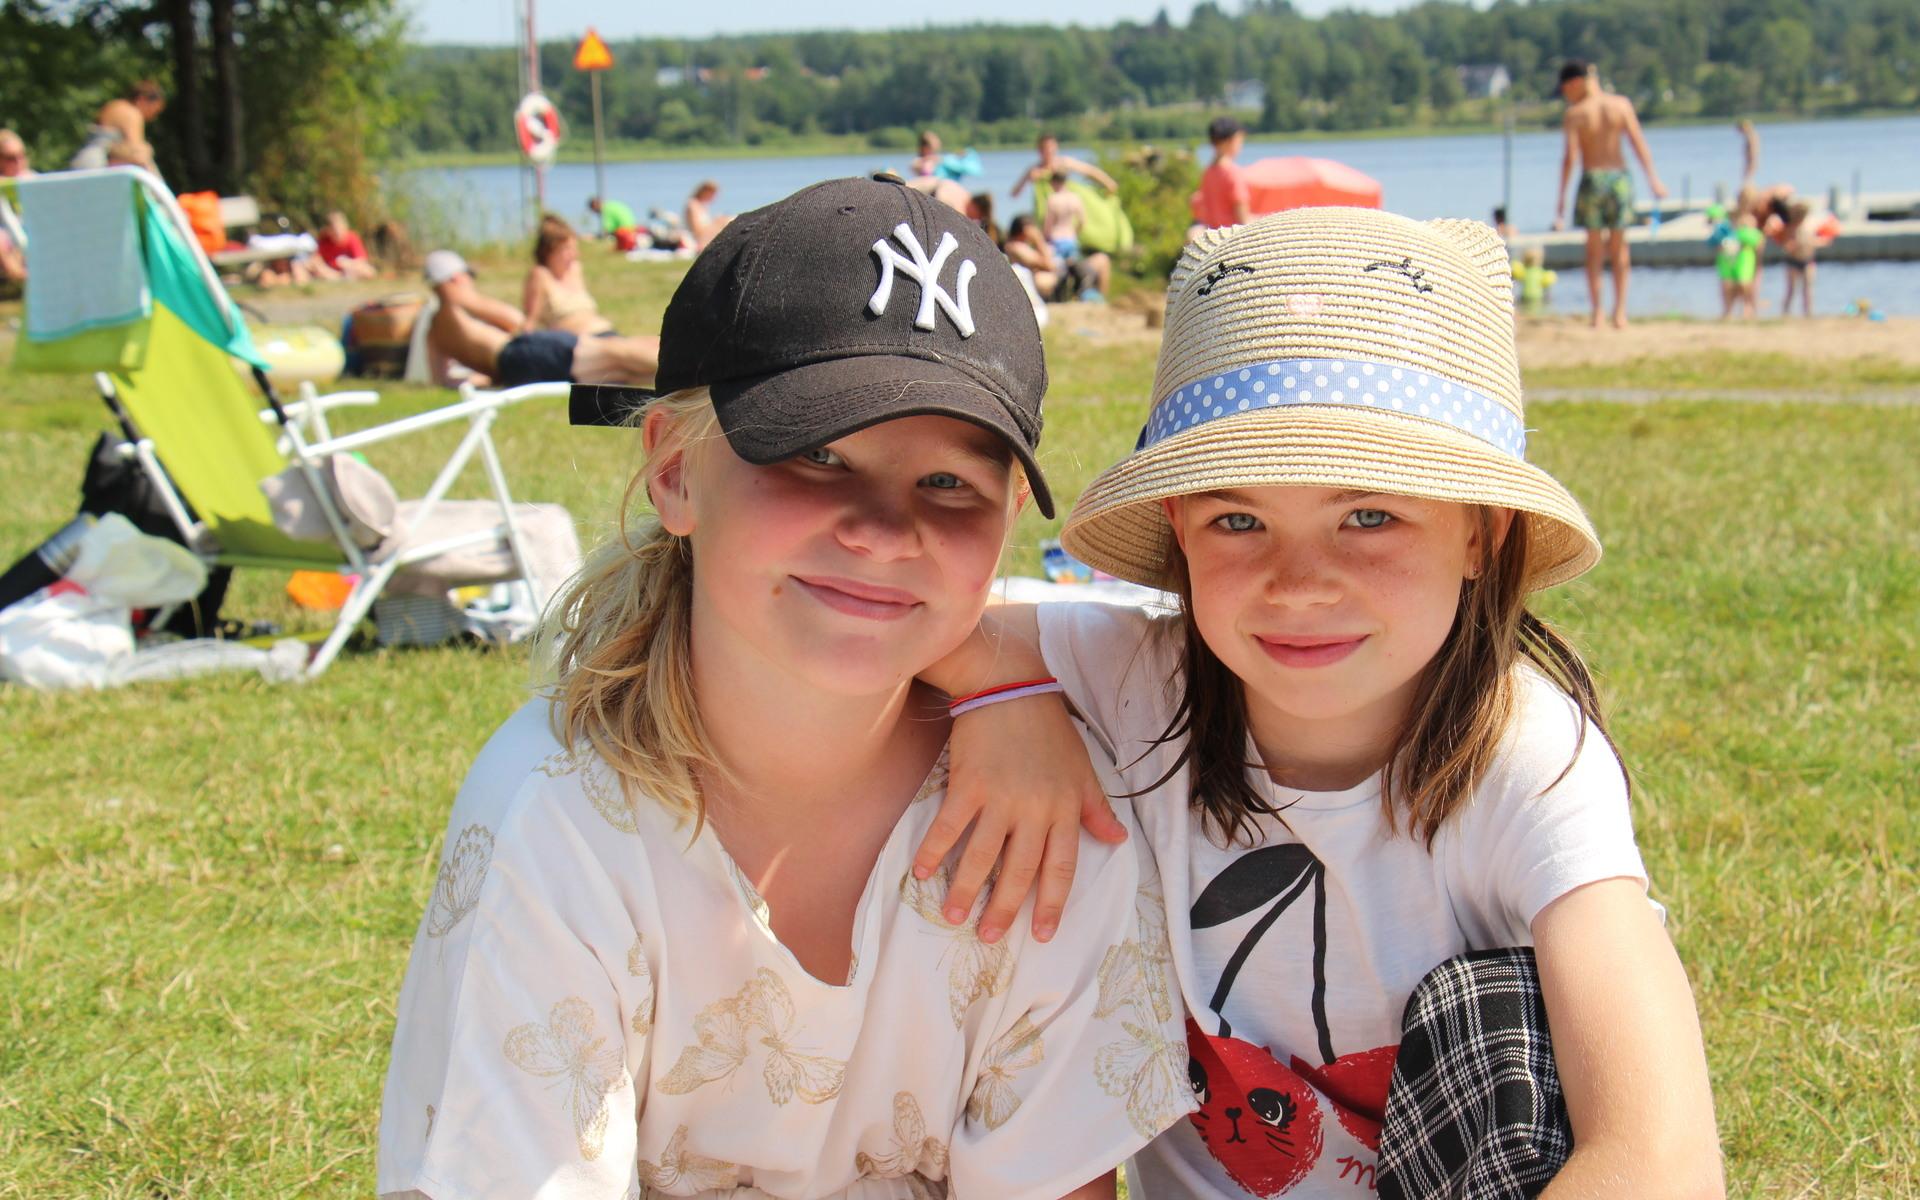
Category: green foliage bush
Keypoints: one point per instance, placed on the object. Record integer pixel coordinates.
(1155, 187)
(893, 137)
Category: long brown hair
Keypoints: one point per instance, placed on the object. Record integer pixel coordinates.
(553, 234)
(1461, 710)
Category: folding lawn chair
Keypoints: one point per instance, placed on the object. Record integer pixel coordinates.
(191, 422)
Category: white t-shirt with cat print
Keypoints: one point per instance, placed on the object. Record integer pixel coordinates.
(1296, 955)
(596, 1006)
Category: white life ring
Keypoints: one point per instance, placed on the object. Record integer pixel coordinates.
(537, 125)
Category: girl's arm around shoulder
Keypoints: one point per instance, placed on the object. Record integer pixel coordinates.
(1019, 776)
(1626, 1040)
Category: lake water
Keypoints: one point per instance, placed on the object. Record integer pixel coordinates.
(1424, 177)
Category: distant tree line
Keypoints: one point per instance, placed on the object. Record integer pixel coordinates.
(1344, 71)
(290, 99)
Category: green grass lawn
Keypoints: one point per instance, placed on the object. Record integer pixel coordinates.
(208, 888)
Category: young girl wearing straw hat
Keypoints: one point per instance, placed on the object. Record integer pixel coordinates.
(1355, 752)
(674, 947)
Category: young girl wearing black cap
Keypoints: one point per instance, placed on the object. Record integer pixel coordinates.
(676, 945)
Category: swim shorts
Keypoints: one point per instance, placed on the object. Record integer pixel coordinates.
(543, 356)
(1604, 201)
(1067, 248)
(1078, 277)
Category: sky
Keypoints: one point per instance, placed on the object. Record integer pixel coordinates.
(492, 21)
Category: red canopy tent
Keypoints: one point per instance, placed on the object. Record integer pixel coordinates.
(1296, 182)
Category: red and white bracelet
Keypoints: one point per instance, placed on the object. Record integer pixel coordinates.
(961, 705)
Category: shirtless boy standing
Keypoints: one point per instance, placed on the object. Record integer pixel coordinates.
(1595, 122)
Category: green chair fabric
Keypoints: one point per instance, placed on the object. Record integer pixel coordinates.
(1106, 229)
(205, 427)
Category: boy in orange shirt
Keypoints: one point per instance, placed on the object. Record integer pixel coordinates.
(1223, 198)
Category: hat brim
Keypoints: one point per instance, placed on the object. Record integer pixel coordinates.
(610, 404)
(773, 417)
(1120, 526)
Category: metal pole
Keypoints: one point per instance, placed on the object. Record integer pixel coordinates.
(599, 150)
(519, 19)
(1506, 166)
(533, 85)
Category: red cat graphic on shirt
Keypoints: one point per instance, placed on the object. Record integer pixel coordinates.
(1260, 1118)
(1257, 1118)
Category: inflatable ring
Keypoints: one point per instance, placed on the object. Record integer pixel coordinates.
(537, 125)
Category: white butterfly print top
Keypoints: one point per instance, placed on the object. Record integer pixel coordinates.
(596, 1007)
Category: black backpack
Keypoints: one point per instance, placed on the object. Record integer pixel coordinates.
(120, 485)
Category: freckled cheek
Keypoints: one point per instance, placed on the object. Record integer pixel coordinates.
(1221, 596)
(1421, 605)
(1225, 583)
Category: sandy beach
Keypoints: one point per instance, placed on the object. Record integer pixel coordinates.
(1571, 342)
(1545, 342)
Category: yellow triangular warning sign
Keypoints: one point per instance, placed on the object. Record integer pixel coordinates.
(593, 54)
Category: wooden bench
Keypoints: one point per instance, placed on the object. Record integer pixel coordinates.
(243, 212)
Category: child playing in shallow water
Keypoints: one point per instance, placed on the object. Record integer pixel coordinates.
(1376, 784)
(675, 947)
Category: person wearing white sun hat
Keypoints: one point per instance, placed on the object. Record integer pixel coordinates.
(1394, 836)
(1294, 356)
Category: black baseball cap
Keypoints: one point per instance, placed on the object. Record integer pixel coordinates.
(849, 303)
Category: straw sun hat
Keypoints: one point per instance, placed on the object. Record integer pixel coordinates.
(1333, 347)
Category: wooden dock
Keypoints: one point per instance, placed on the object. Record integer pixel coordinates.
(1880, 227)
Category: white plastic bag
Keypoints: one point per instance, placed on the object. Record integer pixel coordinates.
(63, 637)
(79, 632)
(285, 662)
(118, 563)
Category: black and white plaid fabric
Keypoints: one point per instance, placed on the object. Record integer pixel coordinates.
(1475, 1108)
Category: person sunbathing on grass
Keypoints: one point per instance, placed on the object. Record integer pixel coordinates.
(483, 336)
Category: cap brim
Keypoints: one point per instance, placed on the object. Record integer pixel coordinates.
(606, 403)
(777, 416)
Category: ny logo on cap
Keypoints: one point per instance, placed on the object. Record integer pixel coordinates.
(925, 272)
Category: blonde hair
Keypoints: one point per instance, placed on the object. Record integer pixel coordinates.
(618, 651)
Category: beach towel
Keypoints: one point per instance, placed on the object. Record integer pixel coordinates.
(85, 270)
(1106, 230)
(419, 368)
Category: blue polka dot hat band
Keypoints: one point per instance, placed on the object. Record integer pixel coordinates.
(1329, 312)
(1351, 383)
